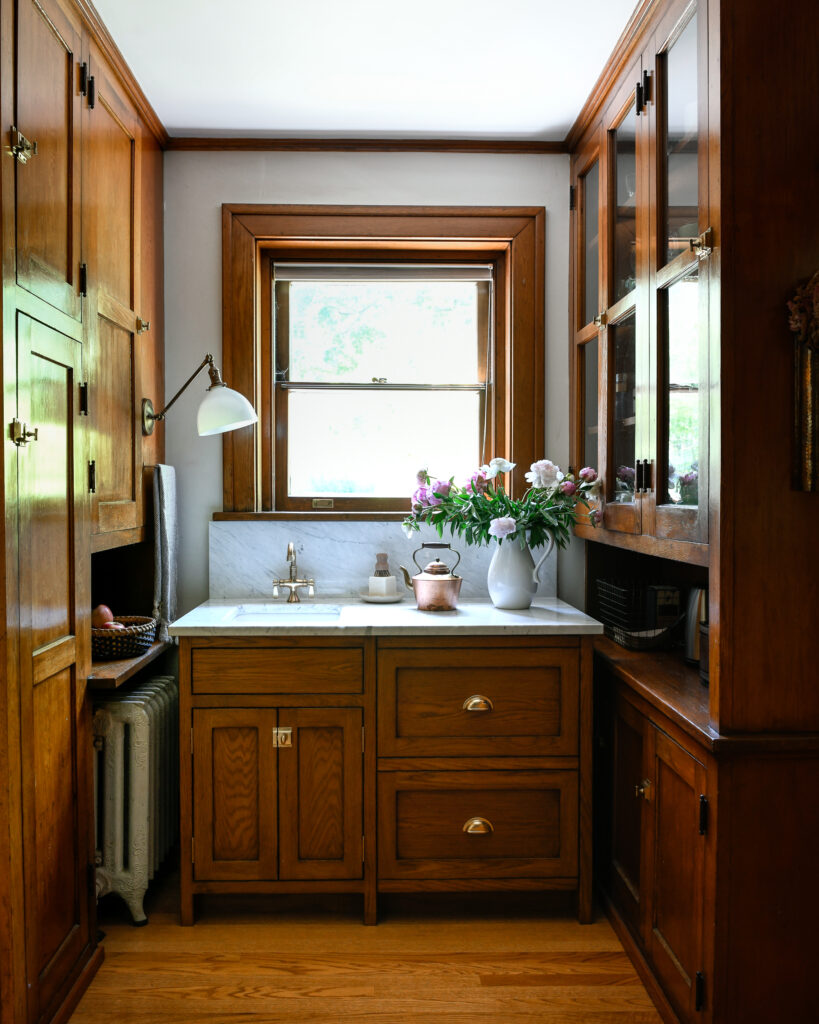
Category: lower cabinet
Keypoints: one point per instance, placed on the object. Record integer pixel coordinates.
(481, 765)
(654, 853)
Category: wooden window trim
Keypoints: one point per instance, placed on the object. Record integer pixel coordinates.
(512, 238)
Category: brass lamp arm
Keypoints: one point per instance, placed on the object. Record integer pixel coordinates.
(149, 417)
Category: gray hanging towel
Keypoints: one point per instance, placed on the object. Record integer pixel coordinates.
(166, 547)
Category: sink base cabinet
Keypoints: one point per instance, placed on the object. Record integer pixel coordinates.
(481, 770)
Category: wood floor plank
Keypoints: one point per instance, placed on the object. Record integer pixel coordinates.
(428, 962)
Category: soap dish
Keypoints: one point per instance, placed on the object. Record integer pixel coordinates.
(365, 595)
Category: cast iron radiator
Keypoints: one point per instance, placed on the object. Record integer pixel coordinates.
(136, 787)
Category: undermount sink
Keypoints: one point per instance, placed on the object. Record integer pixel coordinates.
(261, 614)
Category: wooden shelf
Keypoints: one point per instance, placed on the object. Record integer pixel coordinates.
(108, 675)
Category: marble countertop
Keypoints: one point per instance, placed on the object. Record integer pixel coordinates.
(354, 617)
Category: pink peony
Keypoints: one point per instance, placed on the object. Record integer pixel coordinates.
(423, 497)
(441, 488)
(502, 527)
(544, 474)
(477, 483)
(568, 487)
(588, 474)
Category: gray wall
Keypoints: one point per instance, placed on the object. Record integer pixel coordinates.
(196, 185)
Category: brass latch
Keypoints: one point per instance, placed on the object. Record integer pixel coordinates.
(283, 737)
(323, 503)
(600, 320)
(142, 325)
(701, 245)
(20, 433)
(20, 148)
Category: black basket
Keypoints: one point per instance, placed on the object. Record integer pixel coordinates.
(624, 612)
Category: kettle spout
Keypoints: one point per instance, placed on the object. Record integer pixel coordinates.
(406, 575)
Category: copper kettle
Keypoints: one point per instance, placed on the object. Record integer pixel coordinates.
(436, 587)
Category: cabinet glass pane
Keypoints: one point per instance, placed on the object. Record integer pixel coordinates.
(682, 398)
(590, 428)
(591, 192)
(625, 190)
(623, 340)
(681, 142)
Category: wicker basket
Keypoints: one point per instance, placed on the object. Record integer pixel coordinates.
(135, 639)
(623, 612)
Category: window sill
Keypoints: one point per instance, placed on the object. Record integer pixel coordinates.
(295, 517)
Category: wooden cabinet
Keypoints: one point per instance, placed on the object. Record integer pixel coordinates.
(481, 765)
(642, 235)
(274, 750)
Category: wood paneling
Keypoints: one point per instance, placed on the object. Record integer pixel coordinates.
(313, 669)
(626, 812)
(533, 694)
(49, 52)
(321, 794)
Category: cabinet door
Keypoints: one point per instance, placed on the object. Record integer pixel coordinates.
(628, 785)
(679, 277)
(48, 103)
(674, 855)
(111, 217)
(54, 660)
(321, 794)
(234, 794)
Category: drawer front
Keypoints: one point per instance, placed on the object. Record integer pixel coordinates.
(513, 702)
(523, 825)
(273, 670)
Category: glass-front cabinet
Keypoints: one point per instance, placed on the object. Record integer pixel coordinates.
(645, 318)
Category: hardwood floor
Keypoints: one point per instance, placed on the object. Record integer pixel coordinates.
(431, 960)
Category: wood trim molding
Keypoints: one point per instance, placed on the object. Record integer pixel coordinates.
(622, 53)
(104, 40)
(250, 231)
(325, 145)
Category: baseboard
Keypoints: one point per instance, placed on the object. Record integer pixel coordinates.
(77, 990)
(635, 954)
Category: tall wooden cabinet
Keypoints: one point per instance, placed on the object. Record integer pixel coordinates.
(683, 260)
(72, 187)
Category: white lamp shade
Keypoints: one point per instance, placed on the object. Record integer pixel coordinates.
(224, 409)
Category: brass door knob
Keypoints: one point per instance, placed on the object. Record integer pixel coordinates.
(478, 703)
(478, 827)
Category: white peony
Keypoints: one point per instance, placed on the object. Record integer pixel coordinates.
(544, 474)
(496, 466)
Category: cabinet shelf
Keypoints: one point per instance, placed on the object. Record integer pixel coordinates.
(109, 675)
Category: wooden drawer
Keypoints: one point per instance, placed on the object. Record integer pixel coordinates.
(421, 819)
(529, 706)
(277, 670)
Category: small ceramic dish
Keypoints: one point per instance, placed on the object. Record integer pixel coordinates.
(365, 595)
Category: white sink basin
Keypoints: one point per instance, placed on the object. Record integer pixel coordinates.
(267, 614)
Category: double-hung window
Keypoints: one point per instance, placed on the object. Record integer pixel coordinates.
(379, 370)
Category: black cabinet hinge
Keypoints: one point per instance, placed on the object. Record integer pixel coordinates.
(83, 79)
(84, 398)
(638, 477)
(703, 814)
(572, 197)
(646, 88)
(83, 279)
(92, 92)
(699, 991)
(92, 476)
(638, 98)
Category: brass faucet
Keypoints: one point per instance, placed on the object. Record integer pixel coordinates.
(293, 583)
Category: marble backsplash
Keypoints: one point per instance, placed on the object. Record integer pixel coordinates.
(338, 555)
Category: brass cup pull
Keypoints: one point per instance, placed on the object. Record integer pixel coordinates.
(478, 827)
(478, 703)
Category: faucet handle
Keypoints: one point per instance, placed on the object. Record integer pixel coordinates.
(311, 591)
(275, 590)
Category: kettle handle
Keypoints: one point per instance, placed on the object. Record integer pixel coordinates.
(437, 546)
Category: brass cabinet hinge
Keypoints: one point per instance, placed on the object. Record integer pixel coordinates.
(83, 79)
(20, 434)
(20, 147)
(92, 92)
(92, 476)
(703, 814)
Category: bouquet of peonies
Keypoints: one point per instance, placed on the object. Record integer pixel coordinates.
(481, 509)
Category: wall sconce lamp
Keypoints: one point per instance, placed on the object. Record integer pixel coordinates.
(221, 409)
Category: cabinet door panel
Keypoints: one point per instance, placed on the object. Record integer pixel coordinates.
(235, 801)
(628, 772)
(675, 886)
(48, 185)
(54, 658)
(111, 216)
(321, 794)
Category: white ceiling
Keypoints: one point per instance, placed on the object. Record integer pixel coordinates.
(480, 69)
